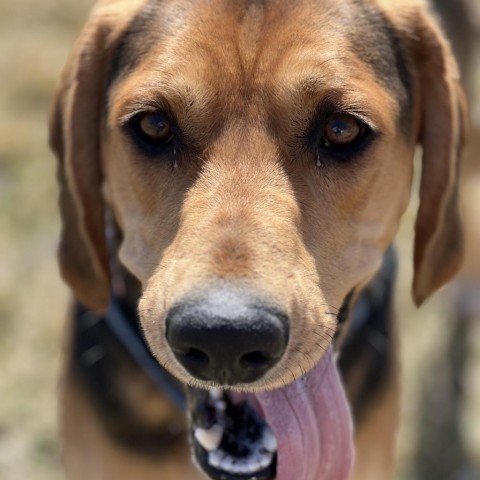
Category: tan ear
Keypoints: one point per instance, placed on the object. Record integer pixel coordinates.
(438, 248)
(75, 139)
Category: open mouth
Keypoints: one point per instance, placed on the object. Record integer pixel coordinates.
(302, 431)
(230, 439)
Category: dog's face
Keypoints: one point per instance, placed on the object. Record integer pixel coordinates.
(258, 146)
(255, 147)
(257, 158)
(262, 148)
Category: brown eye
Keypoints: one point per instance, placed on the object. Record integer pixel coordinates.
(155, 127)
(342, 130)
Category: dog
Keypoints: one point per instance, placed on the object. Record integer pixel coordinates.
(232, 178)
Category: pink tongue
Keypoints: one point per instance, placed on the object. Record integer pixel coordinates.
(312, 423)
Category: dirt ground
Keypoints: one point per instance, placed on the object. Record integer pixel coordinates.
(35, 38)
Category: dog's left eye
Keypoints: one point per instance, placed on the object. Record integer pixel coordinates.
(342, 130)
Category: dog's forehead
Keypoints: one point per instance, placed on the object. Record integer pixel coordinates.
(251, 41)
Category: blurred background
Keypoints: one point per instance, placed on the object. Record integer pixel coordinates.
(440, 344)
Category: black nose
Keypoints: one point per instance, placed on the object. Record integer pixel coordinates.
(227, 336)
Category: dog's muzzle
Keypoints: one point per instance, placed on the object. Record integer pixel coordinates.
(228, 338)
(302, 431)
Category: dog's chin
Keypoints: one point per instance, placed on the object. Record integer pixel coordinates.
(302, 430)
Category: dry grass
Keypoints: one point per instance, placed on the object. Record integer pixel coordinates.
(35, 38)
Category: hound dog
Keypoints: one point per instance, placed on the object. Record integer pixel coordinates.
(233, 175)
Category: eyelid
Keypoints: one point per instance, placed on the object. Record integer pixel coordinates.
(360, 116)
(142, 107)
(338, 106)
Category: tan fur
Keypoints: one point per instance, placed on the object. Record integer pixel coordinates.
(251, 207)
(376, 437)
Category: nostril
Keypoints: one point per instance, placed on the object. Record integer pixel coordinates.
(192, 355)
(255, 359)
(195, 355)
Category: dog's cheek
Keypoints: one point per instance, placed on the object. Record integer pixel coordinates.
(377, 223)
(142, 198)
(348, 239)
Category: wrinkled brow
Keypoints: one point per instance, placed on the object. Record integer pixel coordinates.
(376, 42)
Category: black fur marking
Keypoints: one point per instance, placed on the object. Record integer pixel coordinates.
(344, 314)
(344, 311)
(134, 44)
(98, 361)
(369, 338)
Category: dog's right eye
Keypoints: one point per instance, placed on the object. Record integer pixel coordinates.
(153, 132)
(155, 127)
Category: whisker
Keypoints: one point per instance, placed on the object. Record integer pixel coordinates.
(330, 306)
(327, 327)
(325, 336)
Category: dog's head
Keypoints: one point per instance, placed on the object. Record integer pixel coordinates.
(257, 157)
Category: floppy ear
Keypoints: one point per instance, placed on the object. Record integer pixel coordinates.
(75, 139)
(438, 249)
